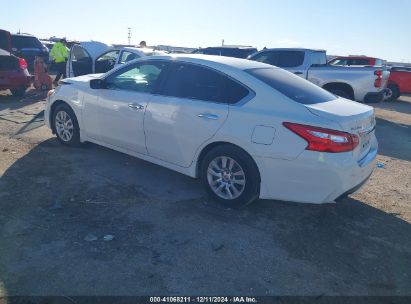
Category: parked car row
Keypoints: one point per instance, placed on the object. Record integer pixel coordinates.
(358, 78)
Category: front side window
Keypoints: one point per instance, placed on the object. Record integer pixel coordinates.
(200, 83)
(292, 86)
(142, 77)
(108, 56)
(127, 56)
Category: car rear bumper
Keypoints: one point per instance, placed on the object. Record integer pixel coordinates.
(375, 97)
(14, 80)
(315, 177)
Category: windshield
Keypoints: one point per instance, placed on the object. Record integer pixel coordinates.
(292, 86)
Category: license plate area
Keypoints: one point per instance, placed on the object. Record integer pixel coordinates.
(365, 141)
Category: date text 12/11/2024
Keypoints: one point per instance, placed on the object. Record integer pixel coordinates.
(203, 300)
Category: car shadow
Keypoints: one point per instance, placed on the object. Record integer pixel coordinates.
(394, 139)
(8, 101)
(166, 237)
(402, 105)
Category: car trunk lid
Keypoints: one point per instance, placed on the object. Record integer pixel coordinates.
(353, 117)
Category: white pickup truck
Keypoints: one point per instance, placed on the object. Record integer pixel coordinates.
(359, 83)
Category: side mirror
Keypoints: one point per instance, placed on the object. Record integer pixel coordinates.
(96, 84)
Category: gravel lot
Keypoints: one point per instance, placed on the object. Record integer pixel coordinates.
(164, 237)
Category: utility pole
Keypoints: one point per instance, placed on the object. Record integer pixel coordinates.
(129, 36)
(222, 42)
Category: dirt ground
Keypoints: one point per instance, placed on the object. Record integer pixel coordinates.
(91, 221)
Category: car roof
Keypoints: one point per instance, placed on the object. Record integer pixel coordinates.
(294, 49)
(211, 60)
(355, 57)
(23, 35)
(235, 47)
(137, 50)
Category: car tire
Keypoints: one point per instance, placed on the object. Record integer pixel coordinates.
(230, 176)
(19, 92)
(65, 125)
(395, 92)
(341, 93)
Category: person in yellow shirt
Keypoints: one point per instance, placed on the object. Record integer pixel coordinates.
(59, 55)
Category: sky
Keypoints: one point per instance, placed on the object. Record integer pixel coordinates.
(378, 28)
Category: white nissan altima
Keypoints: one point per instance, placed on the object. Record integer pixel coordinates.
(247, 129)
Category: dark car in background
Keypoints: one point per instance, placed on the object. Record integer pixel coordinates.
(27, 46)
(228, 51)
(14, 75)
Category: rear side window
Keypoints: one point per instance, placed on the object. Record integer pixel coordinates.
(282, 59)
(358, 62)
(318, 58)
(200, 83)
(22, 42)
(378, 62)
(292, 86)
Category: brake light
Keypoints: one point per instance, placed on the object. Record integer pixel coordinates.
(324, 140)
(22, 64)
(378, 81)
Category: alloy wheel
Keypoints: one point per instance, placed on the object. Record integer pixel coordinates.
(226, 178)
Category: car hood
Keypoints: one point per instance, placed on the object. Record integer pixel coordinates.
(81, 79)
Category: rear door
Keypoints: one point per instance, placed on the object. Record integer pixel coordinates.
(191, 106)
(5, 40)
(79, 62)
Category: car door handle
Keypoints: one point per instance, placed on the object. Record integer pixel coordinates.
(208, 116)
(298, 73)
(136, 106)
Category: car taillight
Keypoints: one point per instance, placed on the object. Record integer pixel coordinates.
(378, 81)
(22, 64)
(324, 140)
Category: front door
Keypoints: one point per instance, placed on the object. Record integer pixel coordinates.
(189, 110)
(79, 62)
(122, 105)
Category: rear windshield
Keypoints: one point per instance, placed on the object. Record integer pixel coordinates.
(282, 59)
(23, 42)
(227, 52)
(292, 86)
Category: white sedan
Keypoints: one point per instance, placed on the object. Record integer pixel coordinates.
(247, 129)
